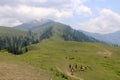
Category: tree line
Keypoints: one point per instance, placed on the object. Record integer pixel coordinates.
(18, 44)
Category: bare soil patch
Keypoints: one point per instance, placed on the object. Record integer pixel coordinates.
(105, 53)
(10, 71)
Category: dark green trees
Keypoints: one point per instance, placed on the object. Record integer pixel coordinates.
(18, 44)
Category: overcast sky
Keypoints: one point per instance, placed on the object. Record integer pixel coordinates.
(98, 16)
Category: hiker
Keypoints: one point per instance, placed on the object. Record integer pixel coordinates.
(76, 66)
(70, 66)
(82, 68)
(72, 70)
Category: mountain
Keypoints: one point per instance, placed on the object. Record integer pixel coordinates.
(111, 38)
(33, 24)
(16, 39)
(47, 28)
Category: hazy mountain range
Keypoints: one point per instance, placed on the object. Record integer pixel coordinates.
(111, 38)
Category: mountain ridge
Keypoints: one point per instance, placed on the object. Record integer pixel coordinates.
(47, 28)
(33, 24)
(110, 38)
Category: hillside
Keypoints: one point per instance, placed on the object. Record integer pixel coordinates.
(47, 28)
(15, 40)
(49, 56)
(7, 31)
(62, 31)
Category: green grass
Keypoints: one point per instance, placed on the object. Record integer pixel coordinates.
(52, 54)
(10, 31)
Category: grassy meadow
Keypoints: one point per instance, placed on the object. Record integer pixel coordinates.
(50, 60)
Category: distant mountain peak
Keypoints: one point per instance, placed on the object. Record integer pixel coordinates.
(42, 20)
(34, 24)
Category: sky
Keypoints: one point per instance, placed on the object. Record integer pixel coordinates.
(97, 16)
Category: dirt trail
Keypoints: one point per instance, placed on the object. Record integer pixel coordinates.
(68, 73)
(10, 71)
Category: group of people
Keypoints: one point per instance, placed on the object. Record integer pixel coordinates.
(76, 67)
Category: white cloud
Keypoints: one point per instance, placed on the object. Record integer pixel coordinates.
(27, 10)
(22, 2)
(10, 22)
(83, 11)
(26, 13)
(107, 21)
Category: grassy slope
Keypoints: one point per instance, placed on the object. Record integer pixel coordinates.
(10, 31)
(53, 57)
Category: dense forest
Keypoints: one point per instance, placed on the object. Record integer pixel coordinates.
(18, 44)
